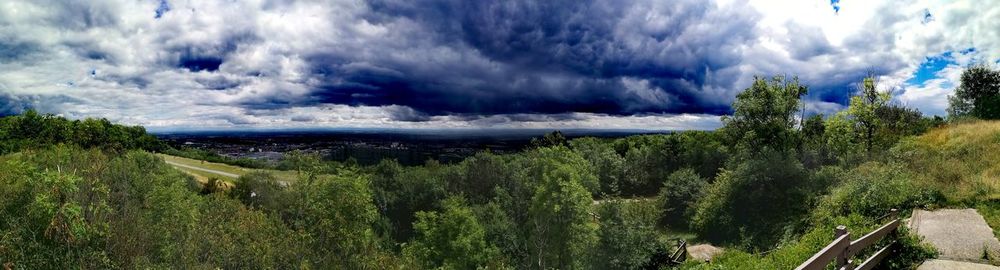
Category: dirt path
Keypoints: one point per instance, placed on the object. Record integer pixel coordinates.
(960, 235)
(203, 169)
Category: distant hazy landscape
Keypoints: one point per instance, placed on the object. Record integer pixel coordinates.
(369, 146)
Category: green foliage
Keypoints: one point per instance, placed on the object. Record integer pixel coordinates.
(450, 239)
(678, 196)
(815, 152)
(400, 192)
(608, 165)
(535, 165)
(842, 140)
(502, 222)
(70, 208)
(754, 202)
(627, 235)
(909, 251)
(33, 130)
(474, 178)
(554, 138)
(562, 233)
(52, 219)
(977, 95)
(764, 115)
(261, 190)
(873, 187)
(762, 182)
(338, 213)
(863, 110)
(302, 162)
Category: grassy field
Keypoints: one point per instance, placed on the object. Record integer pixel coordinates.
(202, 176)
(963, 161)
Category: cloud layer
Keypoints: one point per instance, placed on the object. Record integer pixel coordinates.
(444, 63)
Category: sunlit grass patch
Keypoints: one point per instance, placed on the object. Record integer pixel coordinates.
(961, 160)
(287, 176)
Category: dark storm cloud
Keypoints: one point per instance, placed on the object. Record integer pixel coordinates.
(206, 55)
(545, 57)
(218, 82)
(13, 49)
(428, 63)
(11, 104)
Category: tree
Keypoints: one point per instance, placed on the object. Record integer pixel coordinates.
(561, 228)
(763, 184)
(260, 190)
(338, 213)
(554, 138)
(764, 115)
(679, 195)
(814, 150)
(400, 192)
(864, 107)
(752, 202)
(627, 235)
(607, 164)
(813, 129)
(978, 94)
(452, 238)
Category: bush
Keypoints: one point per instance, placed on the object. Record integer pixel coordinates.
(261, 190)
(752, 203)
(873, 188)
(627, 235)
(679, 195)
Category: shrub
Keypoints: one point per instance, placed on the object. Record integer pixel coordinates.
(873, 188)
(754, 201)
(679, 195)
(261, 190)
(627, 235)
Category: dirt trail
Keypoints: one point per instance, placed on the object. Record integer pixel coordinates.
(203, 169)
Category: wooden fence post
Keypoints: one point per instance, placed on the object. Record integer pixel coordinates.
(841, 259)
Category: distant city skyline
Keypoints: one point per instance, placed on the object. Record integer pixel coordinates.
(438, 64)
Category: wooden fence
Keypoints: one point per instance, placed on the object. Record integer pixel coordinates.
(679, 255)
(842, 249)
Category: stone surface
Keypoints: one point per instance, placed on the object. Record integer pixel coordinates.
(954, 265)
(958, 234)
(703, 252)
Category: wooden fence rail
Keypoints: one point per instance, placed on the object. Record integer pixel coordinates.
(842, 249)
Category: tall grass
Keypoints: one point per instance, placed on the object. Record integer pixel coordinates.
(961, 160)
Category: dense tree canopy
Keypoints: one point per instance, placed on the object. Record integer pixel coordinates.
(32, 130)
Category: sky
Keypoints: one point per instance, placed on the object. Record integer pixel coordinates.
(448, 64)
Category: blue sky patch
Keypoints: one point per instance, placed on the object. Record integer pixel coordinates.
(932, 65)
(162, 9)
